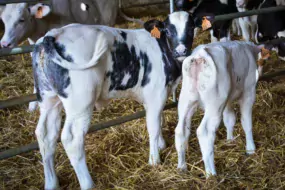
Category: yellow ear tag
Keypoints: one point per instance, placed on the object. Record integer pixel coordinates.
(206, 23)
(155, 32)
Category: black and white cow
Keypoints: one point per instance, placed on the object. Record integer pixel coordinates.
(248, 24)
(272, 26)
(79, 66)
(201, 8)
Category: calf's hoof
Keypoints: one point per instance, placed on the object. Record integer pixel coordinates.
(32, 106)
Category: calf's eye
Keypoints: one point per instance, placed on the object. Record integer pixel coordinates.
(22, 20)
(167, 32)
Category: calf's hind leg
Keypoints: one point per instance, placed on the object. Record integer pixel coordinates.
(246, 103)
(206, 132)
(47, 133)
(187, 105)
(78, 117)
(154, 110)
(161, 141)
(229, 118)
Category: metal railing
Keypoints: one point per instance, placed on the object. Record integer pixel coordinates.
(99, 126)
(27, 49)
(4, 2)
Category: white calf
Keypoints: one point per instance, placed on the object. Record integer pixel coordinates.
(214, 76)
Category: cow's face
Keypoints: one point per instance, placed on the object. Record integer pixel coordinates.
(178, 31)
(19, 21)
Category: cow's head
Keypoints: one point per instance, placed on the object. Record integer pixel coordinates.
(178, 32)
(19, 21)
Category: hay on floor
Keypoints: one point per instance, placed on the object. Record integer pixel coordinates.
(118, 157)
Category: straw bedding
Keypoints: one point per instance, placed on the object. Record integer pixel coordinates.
(117, 157)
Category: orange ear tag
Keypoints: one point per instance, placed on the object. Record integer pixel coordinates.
(155, 32)
(265, 53)
(206, 24)
(39, 13)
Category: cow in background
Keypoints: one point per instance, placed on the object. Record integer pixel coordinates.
(24, 21)
(248, 24)
(272, 26)
(201, 8)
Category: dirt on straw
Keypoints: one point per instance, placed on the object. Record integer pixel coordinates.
(118, 157)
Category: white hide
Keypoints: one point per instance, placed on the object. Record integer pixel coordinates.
(213, 77)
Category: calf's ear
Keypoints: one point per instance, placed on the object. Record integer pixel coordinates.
(39, 10)
(155, 27)
(204, 22)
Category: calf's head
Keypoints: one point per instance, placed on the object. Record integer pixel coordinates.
(177, 31)
(19, 21)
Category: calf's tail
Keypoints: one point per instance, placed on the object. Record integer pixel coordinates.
(50, 49)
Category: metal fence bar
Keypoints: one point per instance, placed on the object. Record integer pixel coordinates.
(17, 101)
(28, 49)
(31, 98)
(99, 126)
(145, 4)
(249, 13)
(4, 2)
(271, 75)
(16, 50)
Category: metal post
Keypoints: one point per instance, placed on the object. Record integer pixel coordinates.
(171, 6)
(171, 11)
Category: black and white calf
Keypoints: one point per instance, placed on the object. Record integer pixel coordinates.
(79, 66)
(248, 24)
(272, 26)
(201, 8)
(214, 76)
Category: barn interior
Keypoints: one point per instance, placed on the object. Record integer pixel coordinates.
(117, 157)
